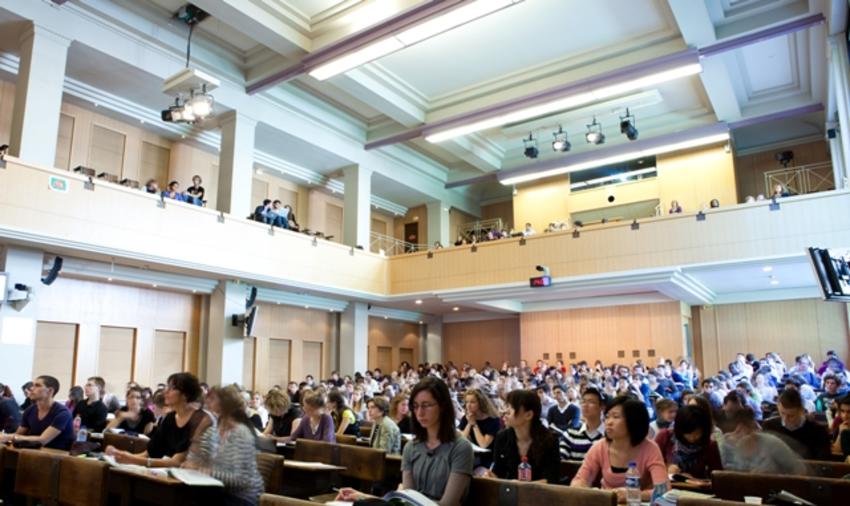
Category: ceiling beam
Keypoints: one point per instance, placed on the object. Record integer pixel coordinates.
(373, 89)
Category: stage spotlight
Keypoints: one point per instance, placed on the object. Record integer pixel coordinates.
(530, 144)
(627, 126)
(594, 133)
(561, 143)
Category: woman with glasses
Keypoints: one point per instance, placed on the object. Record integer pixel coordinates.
(438, 462)
(134, 417)
(181, 428)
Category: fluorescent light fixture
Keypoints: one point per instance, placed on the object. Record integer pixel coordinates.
(767, 268)
(622, 177)
(631, 155)
(423, 31)
(568, 102)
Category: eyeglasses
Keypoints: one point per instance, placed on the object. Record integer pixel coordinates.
(424, 405)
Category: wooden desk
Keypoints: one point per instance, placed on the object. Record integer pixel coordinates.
(304, 482)
(136, 488)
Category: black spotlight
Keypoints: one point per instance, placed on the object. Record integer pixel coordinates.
(627, 126)
(561, 143)
(594, 133)
(784, 157)
(531, 150)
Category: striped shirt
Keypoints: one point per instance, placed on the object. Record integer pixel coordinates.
(575, 443)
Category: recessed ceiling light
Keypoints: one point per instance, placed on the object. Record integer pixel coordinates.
(774, 281)
(154, 285)
(194, 290)
(455, 308)
(418, 301)
(109, 279)
(767, 268)
(420, 322)
(386, 317)
(306, 307)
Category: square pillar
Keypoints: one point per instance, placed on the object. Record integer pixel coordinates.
(18, 318)
(354, 339)
(438, 223)
(236, 164)
(38, 96)
(839, 68)
(225, 343)
(356, 214)
(434, 340)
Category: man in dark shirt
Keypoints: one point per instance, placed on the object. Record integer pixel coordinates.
(809, 439)
(45, 421)
(563, 415)
(92, 411)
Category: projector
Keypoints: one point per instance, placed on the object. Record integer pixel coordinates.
(189, 80)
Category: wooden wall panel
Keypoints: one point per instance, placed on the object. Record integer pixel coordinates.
(600, 333)
(312, 358)
(115, 357)
(503, 210)
(786, 327)
(248, 366)
(55, 347)
(169, 352)
(480, 341)
(279, 359)
(392, 335)
(750, 168)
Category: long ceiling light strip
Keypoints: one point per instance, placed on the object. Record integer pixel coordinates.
(697, 137)
(568, 102)
(406, 38)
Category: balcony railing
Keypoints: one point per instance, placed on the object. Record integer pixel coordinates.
(800, 180)
(390, 246)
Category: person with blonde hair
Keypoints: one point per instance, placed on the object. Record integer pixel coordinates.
(227, 451)
(480, 423)
(316, 424)
(284, 416)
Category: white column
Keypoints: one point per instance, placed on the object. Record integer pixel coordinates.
(434, 340)
(38, 96)
(356, 215)
(236, 163)
(18, 318)
(438, 223)
(354, 339)
(840, 68)
(225, 343)
(838, 171)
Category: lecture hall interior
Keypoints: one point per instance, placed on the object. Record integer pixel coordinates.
(659, 167)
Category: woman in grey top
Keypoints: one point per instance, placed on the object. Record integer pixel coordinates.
(385, 433)
(227, 450)
(438, 462)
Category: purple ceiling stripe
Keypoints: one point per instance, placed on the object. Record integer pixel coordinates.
(275, 78)
(394, 139)
(644, 144)
(769, 33)
(788, 113)
(484, 178)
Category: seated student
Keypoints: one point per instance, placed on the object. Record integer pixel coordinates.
(134, 417)
(675, 208)
(92, 410)
(44, 421)
(575, 443)
(262, 213)
(438, 462)
(152, 186)
(665, 414)
(290, 218)
(732, 403)
(278, 215)
(626, 427)
(780, 191)
(841, 434)
(344, 420)
(746, 449)
(315, 424)
(714, 204)
(76, 395)
(173, 192)
(385, 433)
(480, 424)
(10, 414)
(525, 436)
(284, 416)
(564, 414)
(195, 194)
(400, 413)
(228, 451)
(831, 392)
(687, 447)
(180, 429)
(809, 439)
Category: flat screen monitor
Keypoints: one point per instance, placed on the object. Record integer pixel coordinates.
(833, 274)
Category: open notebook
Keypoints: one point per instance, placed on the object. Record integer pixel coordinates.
(194, 478)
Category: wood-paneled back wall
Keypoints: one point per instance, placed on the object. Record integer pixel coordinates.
(750, 168)
(107, 311)
(476, 342)
(651, 330)
(391, 342)
(787, 327)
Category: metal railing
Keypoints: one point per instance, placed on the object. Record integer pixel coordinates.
(479, 227)
(812, 178)
(392, 246)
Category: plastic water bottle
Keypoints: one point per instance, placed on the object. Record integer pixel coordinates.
(77, 422)
(82, 435)
(632, 485)
(523, 471)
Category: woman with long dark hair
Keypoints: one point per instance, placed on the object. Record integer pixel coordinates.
(344, 420)
(687, 448)
(525, 436)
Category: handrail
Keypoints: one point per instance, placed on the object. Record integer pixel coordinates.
(476, 227)
(391, 246)
(801, 179)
